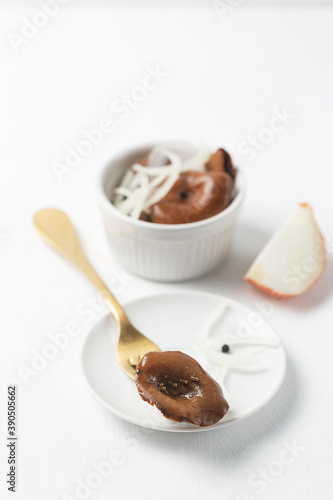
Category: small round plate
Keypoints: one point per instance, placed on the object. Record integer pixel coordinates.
(174, 321)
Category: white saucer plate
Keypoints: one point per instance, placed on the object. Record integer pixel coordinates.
(174, 321)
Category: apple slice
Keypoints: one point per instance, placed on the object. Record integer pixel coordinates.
(293, 259)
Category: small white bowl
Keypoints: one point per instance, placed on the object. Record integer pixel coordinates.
(165, 252)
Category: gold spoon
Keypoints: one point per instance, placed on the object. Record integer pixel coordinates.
(59, 232)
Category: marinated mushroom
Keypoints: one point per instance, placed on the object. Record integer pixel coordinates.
(197, 195)
(221, 161)
(194, 196)
(180, 388)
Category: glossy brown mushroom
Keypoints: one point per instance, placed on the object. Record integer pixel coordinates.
(194, 196)
(221, 161)
(197, 195)
(180, 388)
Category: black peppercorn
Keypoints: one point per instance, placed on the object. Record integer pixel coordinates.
(225, 348)
(182, 195)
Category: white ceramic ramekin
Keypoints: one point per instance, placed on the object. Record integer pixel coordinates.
(162, 252)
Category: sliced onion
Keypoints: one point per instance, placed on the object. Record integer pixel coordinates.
(212, 319)
(225, 359)
(248, 359)
(260, 340)
(163, 190)
(234, 403)
(122, 191)
(125, 183)
(128, 205)
(157, 156)
(159, 179)
(127, 178)
(249, 356)
(153, 171)
(136, 212)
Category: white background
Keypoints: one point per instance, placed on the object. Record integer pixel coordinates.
(225, 79)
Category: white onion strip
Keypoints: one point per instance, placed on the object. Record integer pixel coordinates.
(234, 404)
(163, 190)
(127, 205)
(126, 180)
(135, 213)
(225, 359)
(140, 169)
(212, 319)
(123, 191)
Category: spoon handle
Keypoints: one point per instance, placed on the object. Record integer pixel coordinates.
(59, 232)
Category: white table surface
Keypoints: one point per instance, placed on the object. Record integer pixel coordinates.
(225, 79)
